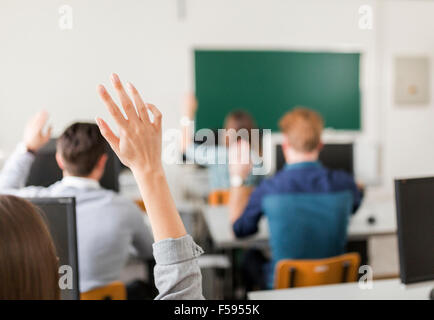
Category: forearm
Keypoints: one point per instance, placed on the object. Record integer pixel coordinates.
(239, 197)
(187, 133)
(163, 215)
(187, 121)
(16, 170)
(177, 273)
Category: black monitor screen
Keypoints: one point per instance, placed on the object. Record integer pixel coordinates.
(337, 156)
(59, 213)
(45, 171)
(415, 217)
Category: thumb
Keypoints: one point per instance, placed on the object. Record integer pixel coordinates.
(108, 134)
(48, 133)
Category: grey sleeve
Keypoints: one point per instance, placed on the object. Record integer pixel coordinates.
(142, 236)
(14, 175)
(177, 273)
(16, 170)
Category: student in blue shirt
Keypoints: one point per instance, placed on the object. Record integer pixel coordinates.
(214, 155)
(307, 205)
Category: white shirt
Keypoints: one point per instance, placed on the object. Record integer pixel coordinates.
(107, 223)
(80, 183)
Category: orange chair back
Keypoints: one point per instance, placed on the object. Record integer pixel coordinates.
(140, 204)
(303, 273)
(113, 291)
(218, 197)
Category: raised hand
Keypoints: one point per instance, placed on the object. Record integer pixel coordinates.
(190, 106)
(34, 136)
(139, 147)
(139, 143)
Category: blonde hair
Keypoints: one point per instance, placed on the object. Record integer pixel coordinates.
(303, 128)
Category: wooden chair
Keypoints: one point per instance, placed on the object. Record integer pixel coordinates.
(113, 291)
(218, 197)
(140, 204)
(303, 273)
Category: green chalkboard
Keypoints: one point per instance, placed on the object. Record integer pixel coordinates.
(269, 83)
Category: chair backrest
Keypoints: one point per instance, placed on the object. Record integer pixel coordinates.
(218, 197)
(303, 273)
(140, 204)
(307, 226)
(113, 291)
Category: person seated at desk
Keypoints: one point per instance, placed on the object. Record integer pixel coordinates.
(307, 205)
(108, 225)
(28, 261)
(215, 158)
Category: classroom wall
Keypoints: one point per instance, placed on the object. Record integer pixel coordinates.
(408, 132)
(42, 66)
(144, 41)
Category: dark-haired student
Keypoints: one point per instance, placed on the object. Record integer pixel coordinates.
(23, 233)
(307, 205)
(108, 225)
(215, 156)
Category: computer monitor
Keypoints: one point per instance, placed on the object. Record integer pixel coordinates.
(45, 171)
(333, 156)
(415, 219)
(59, 214)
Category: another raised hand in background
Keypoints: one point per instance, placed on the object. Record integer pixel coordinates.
(189, 109)
(190, 106)
(35, 135)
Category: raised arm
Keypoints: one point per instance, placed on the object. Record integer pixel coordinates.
(177, 274)
(17, 168)
(188, 114)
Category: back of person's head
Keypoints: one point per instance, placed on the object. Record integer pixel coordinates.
(302, 128)
(28, 261)
(239, 119)
(238, 125)
(81, 146)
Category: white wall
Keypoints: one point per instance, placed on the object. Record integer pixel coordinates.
(408, 133)
(42, 66)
